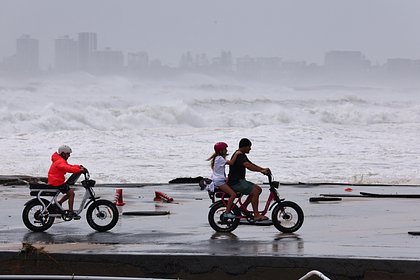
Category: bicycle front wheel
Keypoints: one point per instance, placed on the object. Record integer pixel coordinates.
(287, 216)
(102, 215)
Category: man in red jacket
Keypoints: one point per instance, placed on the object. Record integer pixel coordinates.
(58, 170)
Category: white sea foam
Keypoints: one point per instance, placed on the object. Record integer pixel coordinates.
(129, 130)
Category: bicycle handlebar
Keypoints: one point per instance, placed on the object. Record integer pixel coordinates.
(270, 177)
(86, 173)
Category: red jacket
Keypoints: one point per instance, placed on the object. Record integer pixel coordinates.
(58, 169)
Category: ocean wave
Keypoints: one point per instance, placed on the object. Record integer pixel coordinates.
(154, 131)
(120, 103)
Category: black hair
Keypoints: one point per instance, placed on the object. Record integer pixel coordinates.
(245, 142)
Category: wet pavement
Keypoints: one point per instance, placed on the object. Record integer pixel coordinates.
(355, 227)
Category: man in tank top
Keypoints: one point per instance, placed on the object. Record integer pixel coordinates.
(237, 181)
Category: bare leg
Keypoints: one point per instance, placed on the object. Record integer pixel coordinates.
(247, 202)
(63, 198)
(70, 193)
(256, 191)
(232, 197)
(70, 196)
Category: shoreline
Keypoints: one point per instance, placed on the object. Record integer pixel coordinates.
(23, 180)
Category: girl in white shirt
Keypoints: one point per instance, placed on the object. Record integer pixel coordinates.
(218, 162)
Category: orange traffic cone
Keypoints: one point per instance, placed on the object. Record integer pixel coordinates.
(159, 196)
(118, 197)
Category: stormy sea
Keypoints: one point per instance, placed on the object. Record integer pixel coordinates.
(127, 130)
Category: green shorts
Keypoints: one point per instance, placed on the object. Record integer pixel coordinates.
(244, 187)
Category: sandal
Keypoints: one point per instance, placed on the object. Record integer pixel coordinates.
(262, 218)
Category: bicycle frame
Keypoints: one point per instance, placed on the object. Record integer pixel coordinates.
(88, 198)
(40, 213)
(273, 196)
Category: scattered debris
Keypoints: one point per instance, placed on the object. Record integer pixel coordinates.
(28, 250)
(160, 196)
(186, 180)
(146, 213)
(322, 198)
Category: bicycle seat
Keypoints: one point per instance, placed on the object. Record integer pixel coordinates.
(45, 189)
(220, 194)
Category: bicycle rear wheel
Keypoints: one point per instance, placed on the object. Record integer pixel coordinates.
(35, 218)
(220, 224)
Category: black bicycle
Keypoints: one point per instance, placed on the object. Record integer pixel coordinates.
(39, 213)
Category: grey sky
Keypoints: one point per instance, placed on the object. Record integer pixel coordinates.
(294, 29)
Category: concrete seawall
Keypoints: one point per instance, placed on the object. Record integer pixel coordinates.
(205, 267)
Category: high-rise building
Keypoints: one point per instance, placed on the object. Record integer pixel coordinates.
(226, 60)
(187, 62)
(66, 54)
(87, 46)
(138, 61)
(345, 61)
(107, 61)
(27, 54)
(399, 65)
(246, 66)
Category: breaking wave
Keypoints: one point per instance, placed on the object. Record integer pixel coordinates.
(119, 103)
(154, 131)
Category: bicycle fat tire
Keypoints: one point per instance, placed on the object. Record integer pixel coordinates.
(31, 218)
(214, 218)
(287, 216)
(102, 215)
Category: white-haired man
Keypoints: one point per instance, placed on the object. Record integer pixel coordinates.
(57, 172)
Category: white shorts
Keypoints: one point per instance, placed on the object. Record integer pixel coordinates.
(215, 184)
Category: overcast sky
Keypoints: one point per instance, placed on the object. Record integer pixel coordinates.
(294, 29)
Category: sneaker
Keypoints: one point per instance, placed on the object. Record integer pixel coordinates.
(228, 216)
(202, 184)
(74, 215)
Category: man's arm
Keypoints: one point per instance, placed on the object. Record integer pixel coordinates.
(70, 168)
(233, 159)
(253, 167)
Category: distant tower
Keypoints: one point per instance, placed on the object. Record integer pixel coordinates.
(108, 61)
(27, 54)
(66, 54)
(87, 47)
(345, 61)
(187, 61)
(138, 61)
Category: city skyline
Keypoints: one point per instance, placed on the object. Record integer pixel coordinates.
(86, 43)
(81, 54)
(297, 30)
